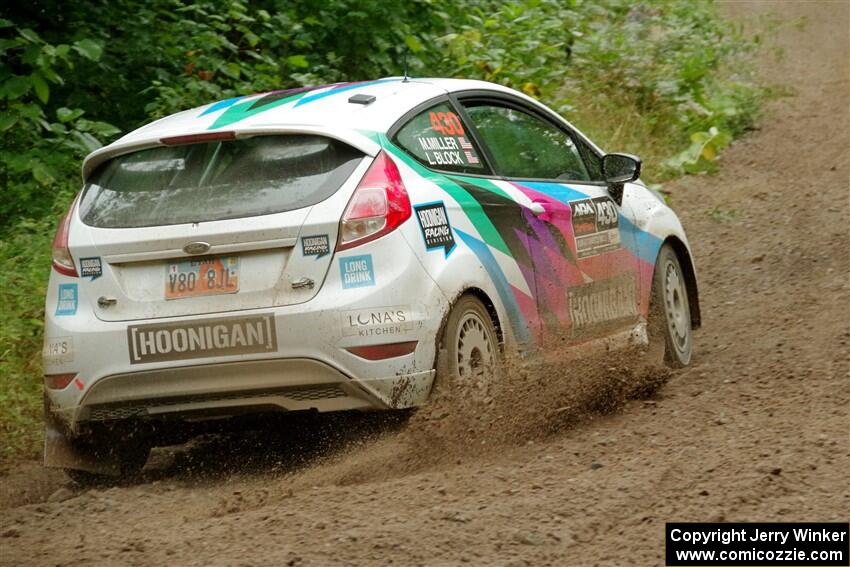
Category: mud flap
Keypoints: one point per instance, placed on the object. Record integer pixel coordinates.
(60, 452)
(439, 386)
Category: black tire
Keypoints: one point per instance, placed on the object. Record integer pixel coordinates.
(670, 327)
(468, 357)
(131, 459)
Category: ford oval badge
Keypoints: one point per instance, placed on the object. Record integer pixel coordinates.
(196, 247)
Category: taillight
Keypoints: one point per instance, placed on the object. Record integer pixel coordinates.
(59, 381)
(63, 262)
(379, 205)
(381, 352)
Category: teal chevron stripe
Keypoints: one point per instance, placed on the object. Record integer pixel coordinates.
(241, 111)
(470, 206)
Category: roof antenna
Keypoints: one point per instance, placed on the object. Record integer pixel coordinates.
(406, 79)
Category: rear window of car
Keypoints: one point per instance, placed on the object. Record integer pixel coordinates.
(216, 180)
(437, 138)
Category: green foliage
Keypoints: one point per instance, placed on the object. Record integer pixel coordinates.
(523, 45)
(25, 256)
(41, 143)
(702, 154)
(669, 81)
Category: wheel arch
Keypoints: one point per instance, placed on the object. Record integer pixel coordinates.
(683, 254)
(489, 305)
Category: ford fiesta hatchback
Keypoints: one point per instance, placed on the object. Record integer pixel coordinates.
(328, 248)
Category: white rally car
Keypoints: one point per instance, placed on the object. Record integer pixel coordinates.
(328, 248)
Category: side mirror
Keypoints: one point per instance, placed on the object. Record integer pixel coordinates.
(620, 168)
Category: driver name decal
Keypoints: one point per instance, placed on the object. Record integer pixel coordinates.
(448, 144)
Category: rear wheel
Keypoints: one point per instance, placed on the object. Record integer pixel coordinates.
(670, 314)
(468, 358)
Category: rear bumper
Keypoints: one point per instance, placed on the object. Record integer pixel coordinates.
(223, 389)
(307, 365)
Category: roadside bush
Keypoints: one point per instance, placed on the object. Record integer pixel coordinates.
(25, 257)
(669, 81)
(42, 143)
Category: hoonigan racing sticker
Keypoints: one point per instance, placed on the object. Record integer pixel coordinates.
(434, 224)
(91, 268)
(317, 246)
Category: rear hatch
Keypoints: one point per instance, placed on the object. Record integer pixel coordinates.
(215, 226)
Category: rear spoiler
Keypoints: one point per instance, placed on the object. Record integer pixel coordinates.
(120, 147)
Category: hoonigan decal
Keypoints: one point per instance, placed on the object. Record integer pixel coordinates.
(223, 336)
(603, 303)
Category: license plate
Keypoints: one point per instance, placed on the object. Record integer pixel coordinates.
(202, 276)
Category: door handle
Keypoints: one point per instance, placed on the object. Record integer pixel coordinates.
(537, 208)
(105, 302)
(303, 282)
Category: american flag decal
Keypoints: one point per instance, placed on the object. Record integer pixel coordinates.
(464, 143)
(469, 157)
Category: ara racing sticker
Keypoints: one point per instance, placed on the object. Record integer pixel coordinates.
(91, 268)
(434, 224)
(356, 271)
(596, 225)
(68, 300)
(317, 245)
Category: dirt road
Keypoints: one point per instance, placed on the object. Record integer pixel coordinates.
(756, 429)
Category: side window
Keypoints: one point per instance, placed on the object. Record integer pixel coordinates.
(525, 146)
(436, 137)
(591, 160)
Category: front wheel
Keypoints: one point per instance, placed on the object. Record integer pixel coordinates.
(670, 314)
(468, 357)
